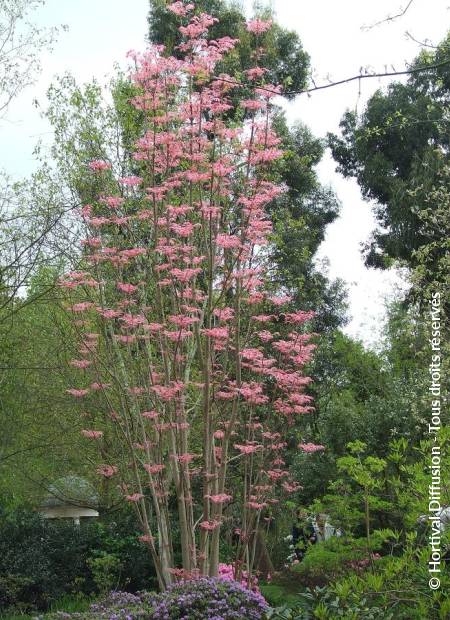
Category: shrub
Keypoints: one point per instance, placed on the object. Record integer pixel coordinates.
(328, 560)
(44, 560)
(199, 599)
(397, 588)
(216, 599)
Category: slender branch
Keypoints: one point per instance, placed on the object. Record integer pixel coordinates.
(389, 18)
(360, 76)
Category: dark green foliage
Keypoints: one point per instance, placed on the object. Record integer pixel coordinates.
(300, 218)
(277, 595)
(397, 150)
(43, 560)
(326, 561)
(396, 588)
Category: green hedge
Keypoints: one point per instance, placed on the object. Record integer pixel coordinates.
(44, 560)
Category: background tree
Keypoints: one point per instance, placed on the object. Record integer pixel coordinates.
(25, 223)
(397, 149)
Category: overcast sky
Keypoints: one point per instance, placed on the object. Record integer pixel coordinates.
(102, 31)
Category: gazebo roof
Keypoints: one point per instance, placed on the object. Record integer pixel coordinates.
(71, 491)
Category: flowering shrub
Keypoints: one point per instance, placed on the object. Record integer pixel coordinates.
(216, 599)
(227, 572)
(198, 599)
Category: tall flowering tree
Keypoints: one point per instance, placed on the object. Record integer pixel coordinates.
(179, 335)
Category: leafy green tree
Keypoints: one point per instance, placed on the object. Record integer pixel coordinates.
(40, 425)
(397, 150)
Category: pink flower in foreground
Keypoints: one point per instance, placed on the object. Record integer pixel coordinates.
(126, 288)
(247, 449)
(209, 525)
(221, 333)
(107, 470)
(310, 447)
(221, 498)
(185, 458)
(135, 497)
(258, 26)
(224, 314)
(228, 241)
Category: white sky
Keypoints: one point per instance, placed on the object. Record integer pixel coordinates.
(102, 31)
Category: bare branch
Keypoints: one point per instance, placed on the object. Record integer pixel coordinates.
(389, 18)
(360, 76)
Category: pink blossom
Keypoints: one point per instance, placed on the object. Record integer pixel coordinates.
(184, 275)
(210, 525)
(252, 104)
(99, 386)
(280, 299)
(150, 415)
(311, 447)
(228, 241)
(113, 202)
(182, 320)
(256, 505)
(185, 458)
(291, 487)
(248, 449)
(107, 470)
(133, 252)
(263, 318)
(265, 336)
(221, 498)
(77, 393)
(80, 363)
(299, 317)
(92, 434)
(126, 288)
(135, 497)
(182, 230)
(168, 392)
(180, 9)
(157, 468)
(258, 26)
(255, 72)
(82, 306)
(131, 181)
(146, 538)
(125, 339)
(224, 314)
(198, 25)
(218, 333)
(99, 164)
